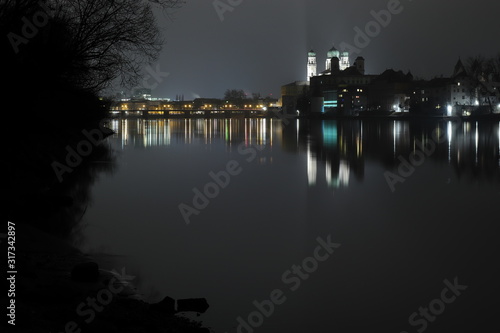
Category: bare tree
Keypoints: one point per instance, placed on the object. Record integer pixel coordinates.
(493, 68)
(235, 96)
(94, 41)
(113, 38)
(484, 74)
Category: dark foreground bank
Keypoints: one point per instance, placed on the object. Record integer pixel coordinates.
(49, 299)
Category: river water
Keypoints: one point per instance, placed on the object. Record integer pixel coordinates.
(306, 225)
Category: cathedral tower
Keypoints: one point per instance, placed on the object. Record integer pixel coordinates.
(312, 65)
(332, 53)
(342, 56)
(344, 60)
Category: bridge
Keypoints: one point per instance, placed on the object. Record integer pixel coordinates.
(239, 113)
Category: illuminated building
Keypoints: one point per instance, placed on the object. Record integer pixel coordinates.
(342, 89)
(339, 88)
(312, 65)
(343, 58)
(142, 93)
(455, 95)
(391, 91)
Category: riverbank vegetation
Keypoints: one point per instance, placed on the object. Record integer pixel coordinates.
(59, 55)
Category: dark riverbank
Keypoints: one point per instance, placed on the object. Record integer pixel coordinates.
(47, 205)
(47, 299)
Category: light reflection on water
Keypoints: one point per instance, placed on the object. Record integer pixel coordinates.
(344, 141)
(308, 179)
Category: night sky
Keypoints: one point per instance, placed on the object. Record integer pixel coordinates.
(262, 44)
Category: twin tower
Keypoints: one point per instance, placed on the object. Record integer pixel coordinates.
(340, 62)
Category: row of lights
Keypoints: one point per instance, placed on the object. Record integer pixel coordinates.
(260, 106)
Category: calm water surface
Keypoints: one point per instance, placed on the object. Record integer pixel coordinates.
(297, 181)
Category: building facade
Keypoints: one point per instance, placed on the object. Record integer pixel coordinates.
(342, 91)
(312, 65)
(346, 89)
(342, 56)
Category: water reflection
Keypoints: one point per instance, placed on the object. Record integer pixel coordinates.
(150, 133)
(54, 206)
(340, 148)
(320, 178)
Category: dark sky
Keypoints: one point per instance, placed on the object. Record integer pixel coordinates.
(263, 44)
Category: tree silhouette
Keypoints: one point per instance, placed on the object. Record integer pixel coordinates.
(484, 73)
(57, 51)
(235, 96)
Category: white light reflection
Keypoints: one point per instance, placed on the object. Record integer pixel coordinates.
(359, 146)
(211, 124)
(394, 137)
(251, 130)
(449, 141)
(114, 125)
(124, 124)
(155, 133)
(328, 173)
(246, 132)
(360, 150)
(167, 133)
(262, 131)
(265, 129)
(146, 130)
(344, 173)
(206, 131)
(311, 167)
(298, 124)
(271, 132)
(477, 142)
